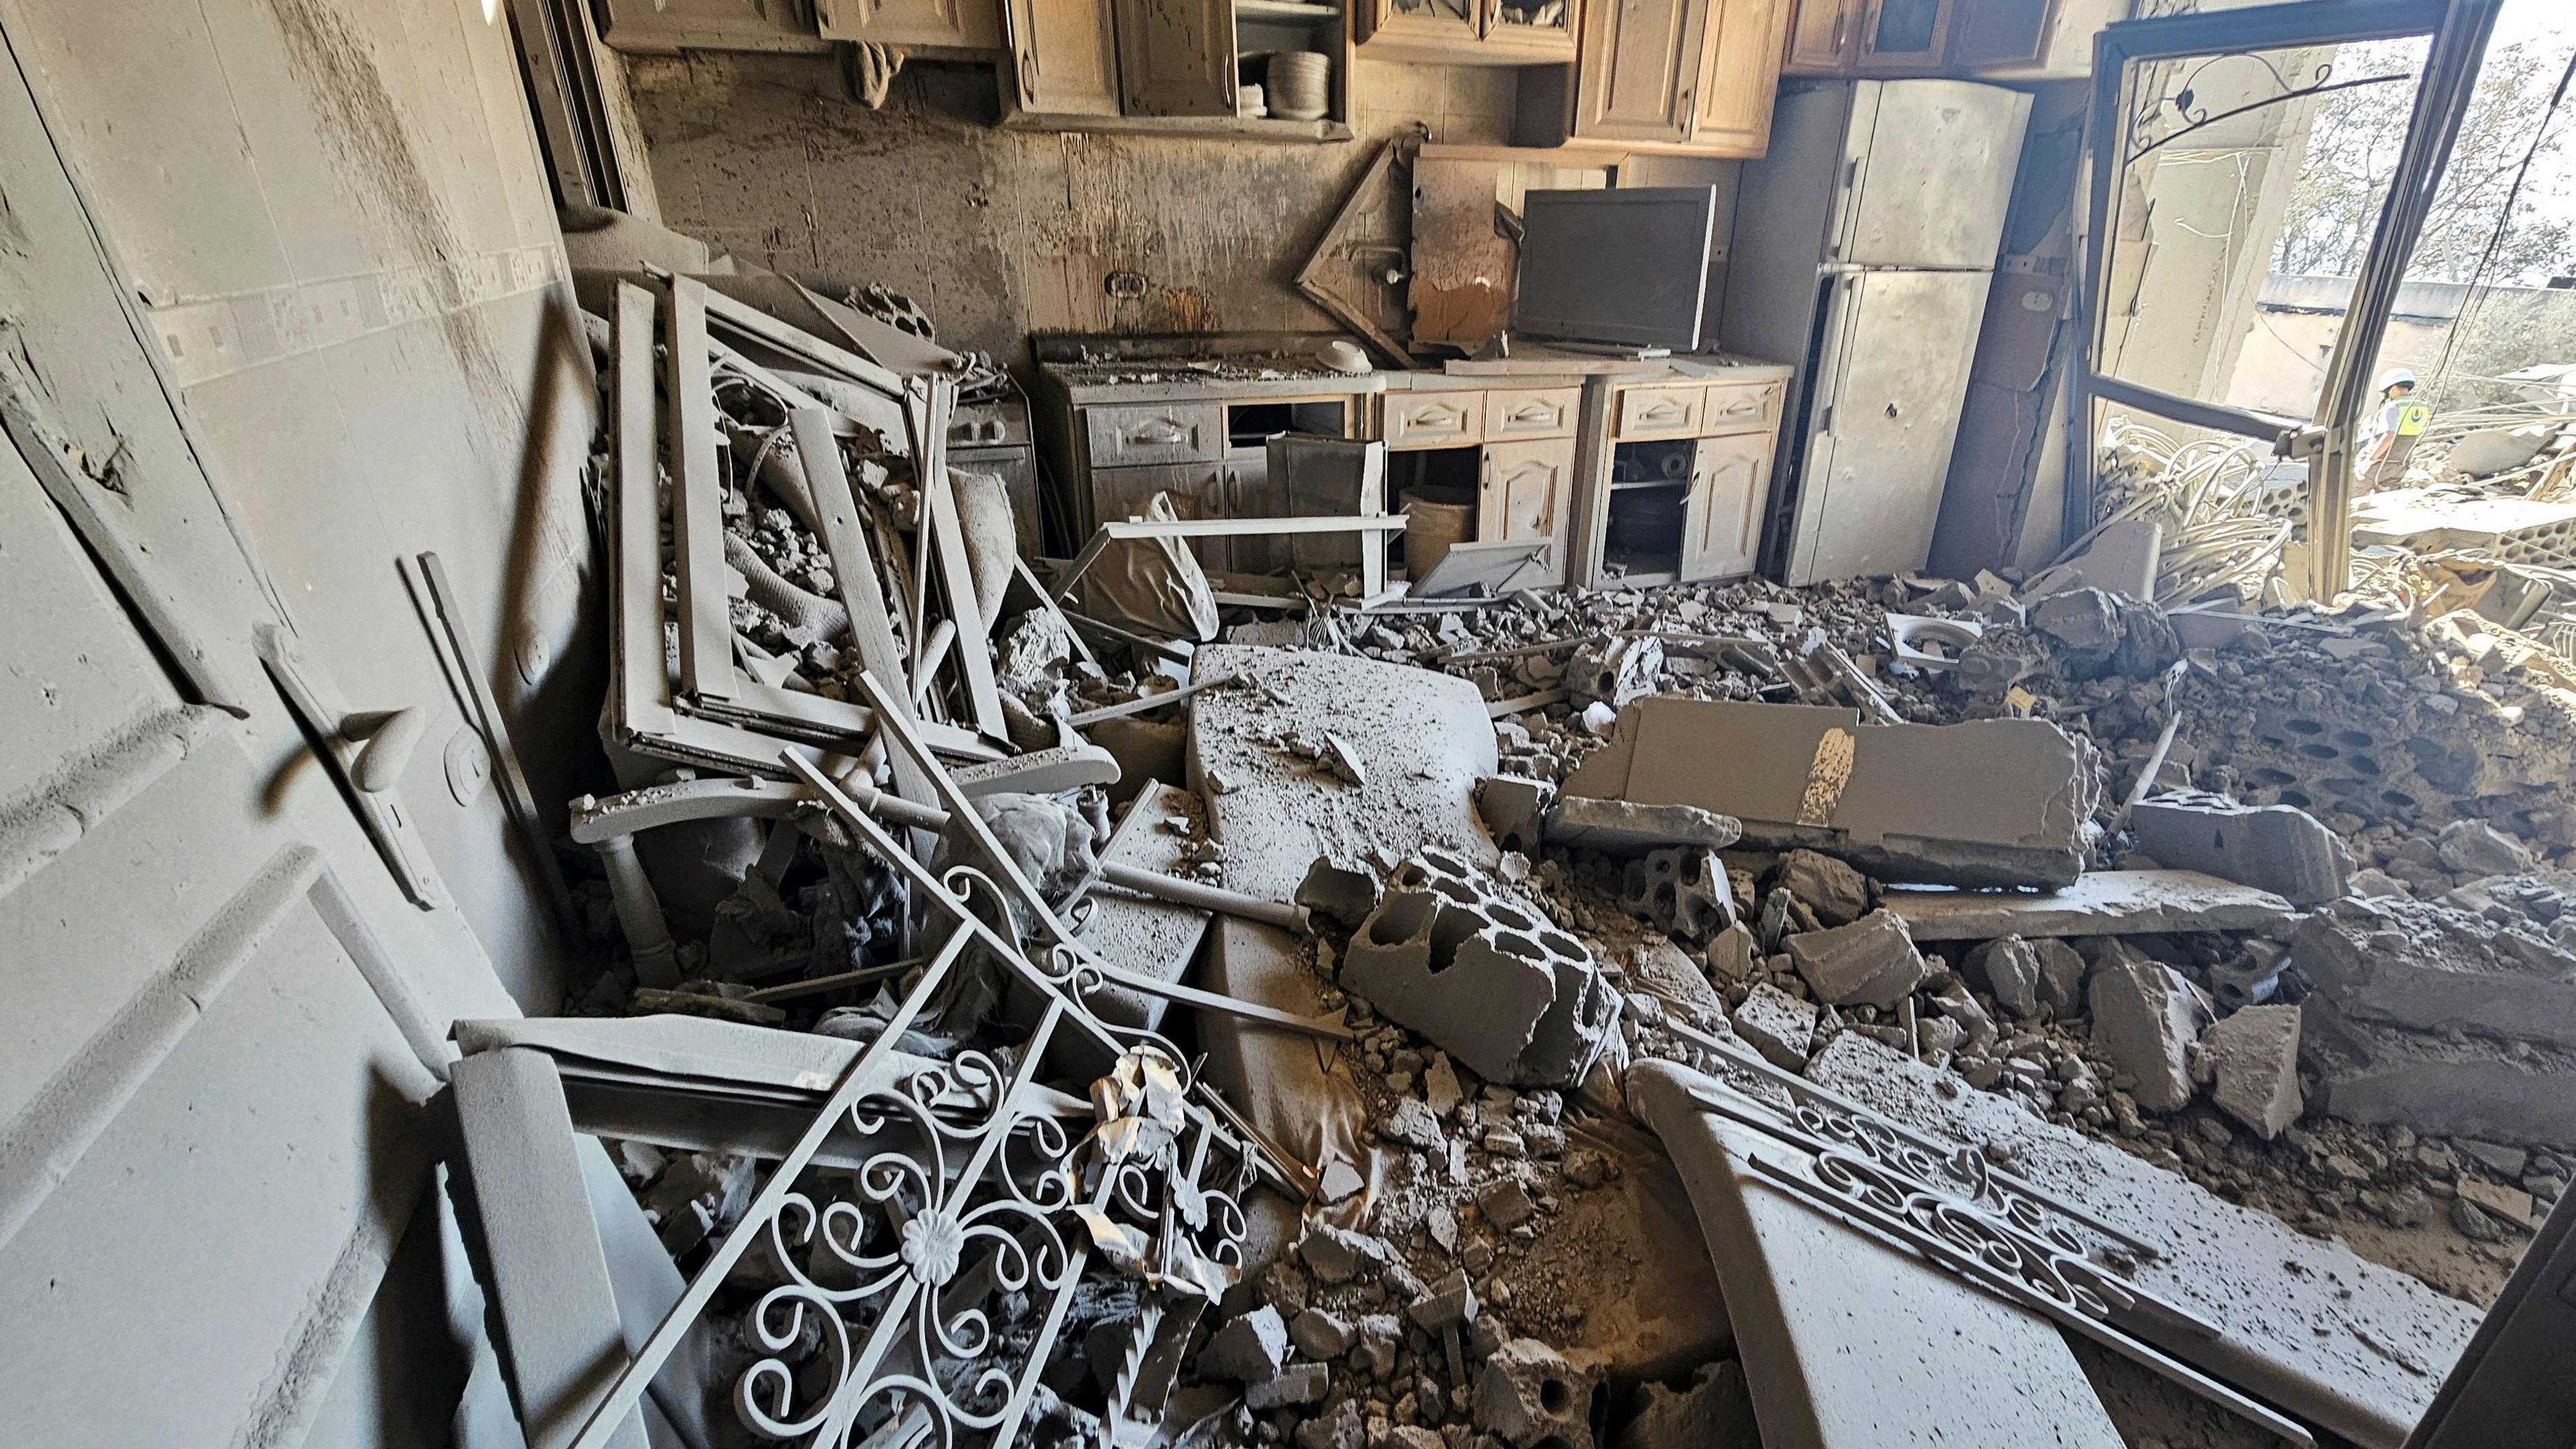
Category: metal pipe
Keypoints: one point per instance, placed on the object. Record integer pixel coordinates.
(1205, 897)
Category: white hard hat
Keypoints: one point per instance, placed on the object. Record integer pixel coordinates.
(2396, 377)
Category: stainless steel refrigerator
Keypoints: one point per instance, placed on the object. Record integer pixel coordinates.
(1864, 242)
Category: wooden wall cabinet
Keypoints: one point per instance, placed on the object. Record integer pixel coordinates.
(1064, 56)
(935, 25)
(1692, 77)
(1992, 39)
(1161, 67)
(1467, 32)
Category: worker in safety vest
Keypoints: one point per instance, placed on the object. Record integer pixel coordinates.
(2388, 436)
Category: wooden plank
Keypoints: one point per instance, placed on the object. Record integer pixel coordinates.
(933, 400)
(862, 589)
(697, 509)
(2103, 903)
(639, 684)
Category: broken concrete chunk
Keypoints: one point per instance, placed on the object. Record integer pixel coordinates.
(1451, 1305)
(1667, 972)
(1530, 1395)
(1838, 894)
(1483, 976)
(1506, 1204)
(2103, 903)
(2473, 847)
(2008, 970)
(1341, 891)
(1320, 1335)
(1871, 962)
(2061, 978)
(1987, 803)
(1298, 1383)
(1683, 891)
(1515, 810)
(1730, 955)
(1344, 1428)
(1247, 1350)
(1715, 1412)
(1337, 1255)
(1614, 671)
(1412, 1124)
(2253, 1057)
(1440, 1084)
(2146, 1018)
(2278, 848)
(1625, 827)
(1342, 760)
(1777, 1025)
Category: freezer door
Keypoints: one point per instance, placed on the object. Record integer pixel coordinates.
(1889, 388)
(1927, 174)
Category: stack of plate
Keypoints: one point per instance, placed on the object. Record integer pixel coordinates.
(1300, 84)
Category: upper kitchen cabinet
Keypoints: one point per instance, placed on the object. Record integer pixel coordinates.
(1693, 77)
(1987, 39)
(1467, 32)
(1176, 67)
(930, 25)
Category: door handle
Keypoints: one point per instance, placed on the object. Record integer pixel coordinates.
(385, 739)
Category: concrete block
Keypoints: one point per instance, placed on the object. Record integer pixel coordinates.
(1485, 977)
(1715, 1412)
(2061, 977)
(1514, 810)
(1777, 1025)
(1667, 971)
(1838, 894)
(1682, 890)
(1246, 1350)
(1296, 1385)
(1340, 891)
(2103, 903)
(2473, 847)
(1451, 1305)
(1987, 803)
(1871, 962)
(1529, 1395)
(2146, 1018)
(2465, 1087)
(1625, 827)
(2398, 964)
(2253, 1059)
(1320, 1335)
(2278, 848)
(2008, 970)
(1614, 671)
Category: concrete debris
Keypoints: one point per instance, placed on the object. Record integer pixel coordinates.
(1730, 955)
(1624, 827)
(1514, 810)
(1340, 891)
(1838, 894)
(1715, 1412)
(1987, 803)
(1615, 671)
(1294, 1386)
(1482, 975)
(1247, 1350)
(2456, 1086)
(2147, 1018)
(2007, 970)
(2277, 848)
(2252, 1058)
(1320, 1335)
(2103, 903)
(1871, 962)
(1530, 1395)
(2474, 847)
(1683, 891)
(1777, 1025)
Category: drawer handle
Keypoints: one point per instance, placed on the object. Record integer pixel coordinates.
(1533, 413)
(1450, 418)
(1160, 432)
(1662, 412)
(1741, 406)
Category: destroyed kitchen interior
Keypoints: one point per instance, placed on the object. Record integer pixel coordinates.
(1288, 724)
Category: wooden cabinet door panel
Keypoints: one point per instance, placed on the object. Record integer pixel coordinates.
(1433, 420)
(1064, 56)
(1543, 412)
(1722, 520)
(1902, 36)
(1823, 36)
(1658, 412)
(1738, 406)
(1637, 78)
(1148, 433)
(953, 24)
(1525, 490)
(1176, 57)
(1740, 75)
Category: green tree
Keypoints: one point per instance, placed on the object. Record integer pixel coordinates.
(2353, 144)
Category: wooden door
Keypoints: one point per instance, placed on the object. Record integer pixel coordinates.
(1526, 492)
(943, 24)
(1739, 76)
(1722, 520)
(1176, 57)
(1902, 37)
(1638, 76)
(1824, 35)
(1064, 56)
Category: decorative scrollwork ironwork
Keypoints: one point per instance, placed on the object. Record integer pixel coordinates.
(2165, 114)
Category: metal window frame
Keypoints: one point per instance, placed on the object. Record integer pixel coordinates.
(2459, 31)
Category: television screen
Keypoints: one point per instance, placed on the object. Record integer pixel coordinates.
(1624, 266)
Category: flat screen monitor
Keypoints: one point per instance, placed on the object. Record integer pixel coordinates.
(1627, 266)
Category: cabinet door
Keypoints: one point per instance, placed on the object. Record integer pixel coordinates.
(1739, 76)
(1902, 36)
(1999, 34)
(950, 24)
(1524, 491)
(1722, 521)
(1541, 29)
(1064, 56)
(1824, 36)
(1638, 75)
(1176, 57)
(1250, 492)
(1431, 22)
